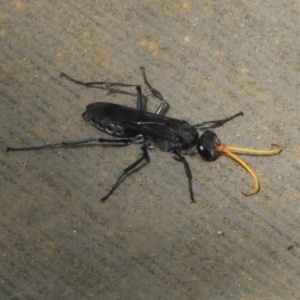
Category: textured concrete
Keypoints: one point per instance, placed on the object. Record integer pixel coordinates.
(210, 59)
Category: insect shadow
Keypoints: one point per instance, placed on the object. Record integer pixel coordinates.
(153, 130)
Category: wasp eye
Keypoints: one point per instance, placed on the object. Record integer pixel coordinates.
(206, 145)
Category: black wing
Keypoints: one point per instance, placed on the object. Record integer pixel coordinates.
(122, 121)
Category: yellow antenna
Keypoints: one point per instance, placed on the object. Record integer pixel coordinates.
(227, 150)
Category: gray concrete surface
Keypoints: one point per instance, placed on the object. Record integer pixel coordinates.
(210, 59)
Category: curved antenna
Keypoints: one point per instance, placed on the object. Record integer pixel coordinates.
(227, 150)
(241, 150)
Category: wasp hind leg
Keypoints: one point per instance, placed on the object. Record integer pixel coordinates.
(164, 105)
(97, 84)
(126, 171)
(83, 142)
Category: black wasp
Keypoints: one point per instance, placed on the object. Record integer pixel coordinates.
(151, 130)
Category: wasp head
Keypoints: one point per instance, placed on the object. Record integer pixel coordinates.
(207, 145)
(210, 148)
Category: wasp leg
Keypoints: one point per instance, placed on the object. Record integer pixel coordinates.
(116, 142)
(95, 84)
(109, 86)
(104, 85)
(164, 105)
(125, 172)
(188, 172)
(120, 142)
(217, 123)
(140, 101)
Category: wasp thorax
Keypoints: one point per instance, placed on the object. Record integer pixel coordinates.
(206, 145)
